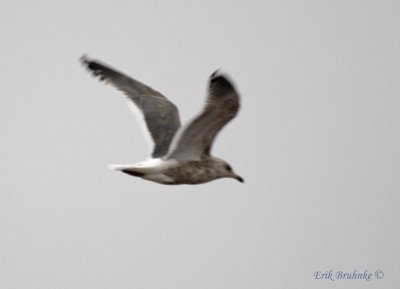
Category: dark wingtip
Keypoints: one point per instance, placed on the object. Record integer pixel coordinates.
(216, 73)
(221, 79)
(84, 60)
(90, 63)
(219, 74)
(93, 66)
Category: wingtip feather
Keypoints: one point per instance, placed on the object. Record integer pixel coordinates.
(84, 60)
(217, 73)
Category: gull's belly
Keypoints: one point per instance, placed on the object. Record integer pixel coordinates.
(191, 172)
(159, 178)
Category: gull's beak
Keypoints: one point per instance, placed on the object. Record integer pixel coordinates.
(240, 179)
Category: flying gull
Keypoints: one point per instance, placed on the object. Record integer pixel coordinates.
(181, 154)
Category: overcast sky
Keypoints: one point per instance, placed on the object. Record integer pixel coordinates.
(317, 141)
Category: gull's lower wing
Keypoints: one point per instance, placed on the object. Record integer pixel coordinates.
(195, 139)
(160, 115)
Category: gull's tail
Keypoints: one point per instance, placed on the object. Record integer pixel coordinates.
(114, 167)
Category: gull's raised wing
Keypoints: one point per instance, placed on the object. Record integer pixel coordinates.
(195, 139)
(160, 115)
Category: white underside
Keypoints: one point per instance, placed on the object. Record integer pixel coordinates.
(142, 123)
(148, 166)
(153, 169)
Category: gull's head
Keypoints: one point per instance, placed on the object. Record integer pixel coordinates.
(226, 171)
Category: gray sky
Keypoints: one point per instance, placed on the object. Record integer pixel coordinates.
(317, 140)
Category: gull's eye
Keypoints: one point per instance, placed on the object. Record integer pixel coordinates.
(228, 167)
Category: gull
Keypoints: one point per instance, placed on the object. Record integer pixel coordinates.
(180, 154)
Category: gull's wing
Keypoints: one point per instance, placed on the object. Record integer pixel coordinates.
(195, 139)
(161, 116)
